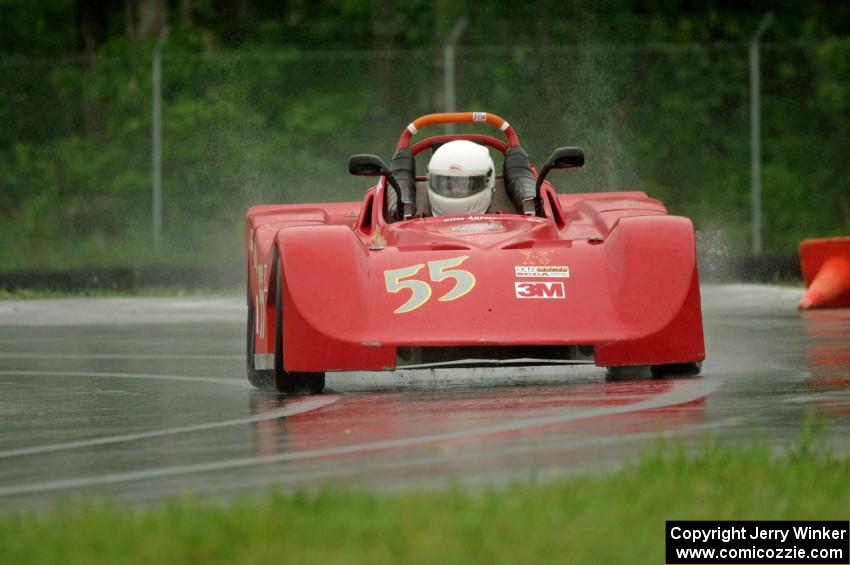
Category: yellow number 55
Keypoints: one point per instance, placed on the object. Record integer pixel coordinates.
(420, 291)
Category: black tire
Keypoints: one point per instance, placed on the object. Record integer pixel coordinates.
(263, 379)
(628, 373)
(292, 383)
(677, 370)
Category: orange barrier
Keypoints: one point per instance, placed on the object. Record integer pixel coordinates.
(825, 264)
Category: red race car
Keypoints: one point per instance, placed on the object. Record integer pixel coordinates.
(467, 267)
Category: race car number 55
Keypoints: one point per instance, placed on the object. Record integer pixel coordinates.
(420, 291)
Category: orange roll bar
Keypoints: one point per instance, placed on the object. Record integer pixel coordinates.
(457, 118)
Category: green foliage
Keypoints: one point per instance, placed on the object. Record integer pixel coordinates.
(612, 518)
(37, 26)
(264, 103)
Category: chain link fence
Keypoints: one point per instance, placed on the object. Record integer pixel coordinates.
(264, 127)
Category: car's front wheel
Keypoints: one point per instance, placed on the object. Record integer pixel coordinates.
(278, 378)
(670, 370)
(285, 381)
(627, 372)
(263, 379)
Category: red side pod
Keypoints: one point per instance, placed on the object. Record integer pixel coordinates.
(681, 341)
(336, 286)
(262, 226)
(649, 257)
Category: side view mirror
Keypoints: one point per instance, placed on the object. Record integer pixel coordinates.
(561, 158)
(367, 165)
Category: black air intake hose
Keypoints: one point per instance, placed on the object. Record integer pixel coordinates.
(519, 180)
(403, 167)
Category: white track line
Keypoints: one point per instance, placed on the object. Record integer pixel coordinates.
(132, 376)
(311, 475)
(682, 391)
(118, 356)
(299, 406)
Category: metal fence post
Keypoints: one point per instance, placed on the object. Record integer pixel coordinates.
(156, 137)
(755, 135)
(449, 68)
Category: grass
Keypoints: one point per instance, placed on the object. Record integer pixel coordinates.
(612, 518)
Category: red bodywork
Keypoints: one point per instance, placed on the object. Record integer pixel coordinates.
(632, 290)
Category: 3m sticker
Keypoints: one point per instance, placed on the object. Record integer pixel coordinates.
(479, 116)
(539, 289)
(542, 271)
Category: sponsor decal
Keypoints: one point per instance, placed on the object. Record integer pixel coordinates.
(539, 289)
(262, 293)
(378, 240)
(456, 168)
(536, 256)
(465, 218)
(479, 116)
(542, 271)
(479, 227)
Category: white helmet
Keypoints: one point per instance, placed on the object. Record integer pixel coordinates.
(461, 179)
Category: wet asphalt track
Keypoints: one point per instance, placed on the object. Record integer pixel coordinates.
(142, 398)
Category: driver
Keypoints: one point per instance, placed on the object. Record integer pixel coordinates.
(461, 179)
